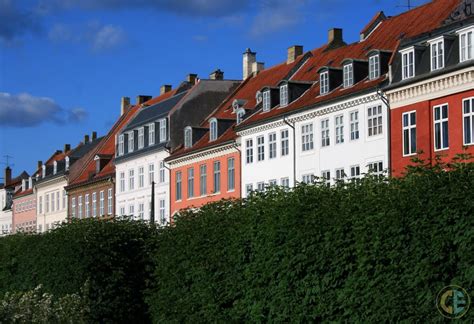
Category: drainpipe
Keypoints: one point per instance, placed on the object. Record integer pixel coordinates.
(236, 147)
(385, 100)
(292, 126)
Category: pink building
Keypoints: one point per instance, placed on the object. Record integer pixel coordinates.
(24, 208)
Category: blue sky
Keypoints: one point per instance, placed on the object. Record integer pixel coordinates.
(64, 64)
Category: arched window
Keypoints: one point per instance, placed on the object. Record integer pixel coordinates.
(213, 129)
(188, 137)
(240, 115)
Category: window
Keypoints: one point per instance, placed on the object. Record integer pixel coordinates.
(190, 182)
(109, 202)
(122, 211)
(468, 115)
(73, 207)
(348, 75)
(408, 64)
(217, 177)
(213, 129)
(285, 182)
(131, 210)
(284, 95)
(355, 171)
(163, 131)
(325, 140)
(151, 134)
(272, 183)
(307, 178)
(162, 212)
(272, 145)
(131, 179)
(248, 189)
(240, 115)
(376, 168)
(466, 50)
(79, 202)
(374, 67)
(53, 202)
(64, 199)
(122, 181)
(101, 203)
(141, 138)
(324, 82)
(178, 186)
(354, 118)
(441, 127)
(266, 101)
(121, 145)
(374, 122)
(326, 175)
(285, 145)
(409, 133)
(47, 203)
(231, 174)
(141, 210)
(40, 204)
(339, 121)
(260, 148)
(340, 174)
(261, 186)
(162, 172)
(307, 143)
(203, 180)
(94, 204)
(131, 141)
(55, 167)
(437, 55)
(141, 177)
(188, 140)
(151, 173)
(67, 162)
(249, 150)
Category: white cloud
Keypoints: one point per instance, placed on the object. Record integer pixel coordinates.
(107, 37)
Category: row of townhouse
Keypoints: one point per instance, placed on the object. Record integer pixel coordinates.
(405, 89)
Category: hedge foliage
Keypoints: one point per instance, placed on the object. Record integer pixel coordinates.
(372, 250)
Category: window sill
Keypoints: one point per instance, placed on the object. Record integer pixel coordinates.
(442, 149)
(409, 155)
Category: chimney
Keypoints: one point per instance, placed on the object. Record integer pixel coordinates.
(141, 99)
(191, 78)
(257, 67)
(165, 88)
(86, 139)
(217, 75)
(94, 136)
(67, 148)
(8, 175)
(335, 38)
(249, 59)
(293, 53)
(40, 164)
(125, 103)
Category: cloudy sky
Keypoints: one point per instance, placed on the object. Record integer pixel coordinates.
(64, 64)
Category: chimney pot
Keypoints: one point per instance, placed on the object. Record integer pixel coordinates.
(191, 78)
(94, 136)
(249, 58)
(125, 103)
(67, 148)
(141, 99)
(165, 88)
(217, 75)
(8, 175)
(86, 139)
(293, 53)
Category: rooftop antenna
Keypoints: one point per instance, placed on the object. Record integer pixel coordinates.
(408, 5)
(7, 159)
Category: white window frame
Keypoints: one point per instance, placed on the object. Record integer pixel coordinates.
(73, 207)
(203, 180)
(272, 145)
(267, 104)
(285, 182)
(179, 186)
(163, 130)
(340, 174)
(408, 63)
(121, 145)
(339, 128)
(437, 53)
(240, 113)
(348, 75)
(151, 173)
(354, 124)
(355, 171)
(79, 205)
(325, 133)
(248, 189)
(94, 204)
(285, 142)
(101, 203)
(441, 122)
(407, 133)
(230, 174)
(141, 177)
(284, 95)
(307, 137)
(151, 134)
(216, 177)
(374, 67)
(162, 211)
(190, 185)
(122, 181)
(468, 120)
(131, 179)
(324, 82)
(141, 211)
(162, 172)
(307, 178)
(213, 129)
(141, 138)
(466, 44)
(188, 137)
(375, 121)
(131, 141)
(261, 186)
(326, 177)
(260, 148)
(249, 151)
(109, 201)
(376, 168)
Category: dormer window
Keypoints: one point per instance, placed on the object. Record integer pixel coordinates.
(284, 95)
(213, 129)
(437, 54)
(266, 101)
(374, 67)
(324, 82)
(67, 163)
(466, 51)
(131, 142)
(348, 75)
(240, 113)
(188, 137)
(151, 134)
(408, 63)
(43, 170)
(258, 97)
(121, 145)
(141, 138)
(55, 167)
(163, 132)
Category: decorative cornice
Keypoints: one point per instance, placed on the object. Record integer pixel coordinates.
(311, 113)
(440, 86)
(202, 155)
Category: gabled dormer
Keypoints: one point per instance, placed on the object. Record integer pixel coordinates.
(329, 79)
(192, 135)
(239, 110)
(101, 161)
(291, 90)
(354, 71)
(410, 61)
(270, 98)
(55, 167)
(217, 127)
(378, 63)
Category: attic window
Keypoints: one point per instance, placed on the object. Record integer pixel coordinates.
(55, 167)
(131, 141)
(466, 49)
(348, 75)
(121, 145)
(188, 137)
(324, 82)
(141, 138)
(408, 63)
(437, 53)
(374, 67)
(67, 163)
(213, 129)
(240, 115)
(284, 95)
(266, 101)
(43, 170)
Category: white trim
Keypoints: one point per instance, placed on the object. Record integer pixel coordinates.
(409, 128)
(471, 114)
(440, 122)
(202, 156)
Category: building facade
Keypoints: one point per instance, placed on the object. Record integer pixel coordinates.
(24, 208)
(7, 189)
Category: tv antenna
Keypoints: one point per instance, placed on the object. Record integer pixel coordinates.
(408, 5)
(7, 159)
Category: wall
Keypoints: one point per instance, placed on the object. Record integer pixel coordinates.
(46, 220)
(24, 213)
(96, 187)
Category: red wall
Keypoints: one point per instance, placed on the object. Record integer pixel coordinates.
(425, 131)
(198, 200)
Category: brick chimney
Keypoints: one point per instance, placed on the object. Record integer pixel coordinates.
(293, 53)
(67, 148)
(217, 75)
(191, 78)
(165, 88)
(335, 38)
(141, 99)
(8, 175)
(248, 60)
(86, 139)
(125, 103)
(94, 136)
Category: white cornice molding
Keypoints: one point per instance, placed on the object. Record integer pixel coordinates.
(433, 88)
(312, 113)
(203, 155)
